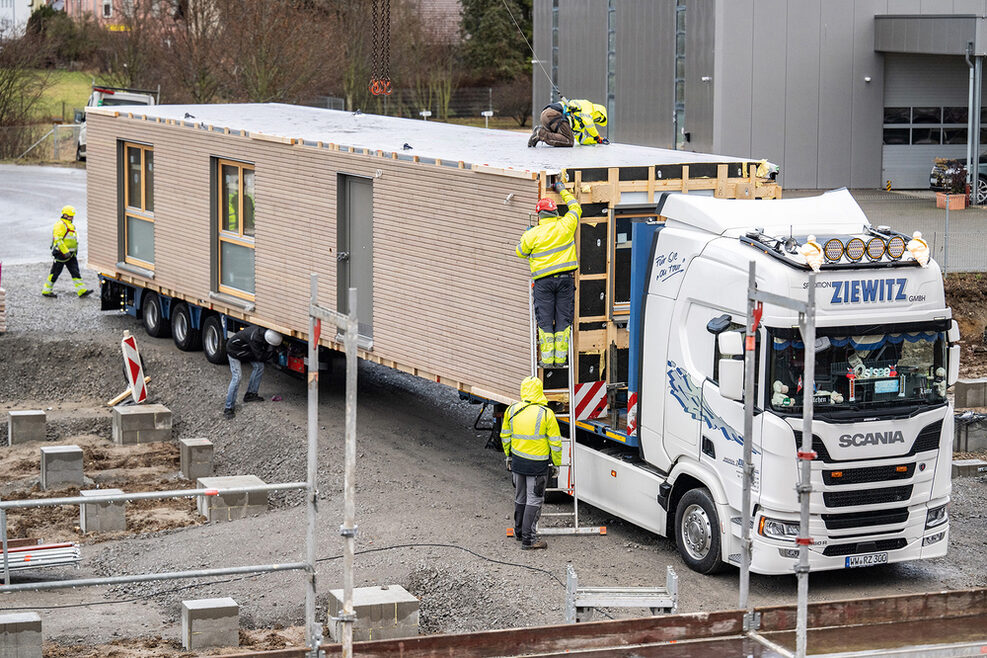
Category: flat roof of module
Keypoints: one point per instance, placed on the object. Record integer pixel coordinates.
(427, 139)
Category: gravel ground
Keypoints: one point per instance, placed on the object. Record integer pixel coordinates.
(430, 500)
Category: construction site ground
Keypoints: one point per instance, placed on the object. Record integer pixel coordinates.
(432, 504)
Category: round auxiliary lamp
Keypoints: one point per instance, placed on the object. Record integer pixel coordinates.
(833, 250)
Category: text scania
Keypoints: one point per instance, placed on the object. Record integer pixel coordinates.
(861, 291)
(870, 439)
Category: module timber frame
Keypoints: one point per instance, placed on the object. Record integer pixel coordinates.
(607, 196)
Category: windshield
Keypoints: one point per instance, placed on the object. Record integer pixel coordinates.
(110, 100)
(857, 371)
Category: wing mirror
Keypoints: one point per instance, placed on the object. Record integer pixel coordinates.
(730, 367)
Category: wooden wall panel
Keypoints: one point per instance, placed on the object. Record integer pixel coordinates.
(450, 296)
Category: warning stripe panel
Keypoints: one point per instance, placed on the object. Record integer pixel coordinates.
(591, 400)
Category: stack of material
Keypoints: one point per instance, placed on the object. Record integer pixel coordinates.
(3, 310)
(42, 555)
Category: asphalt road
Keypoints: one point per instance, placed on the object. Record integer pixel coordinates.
(31, 199)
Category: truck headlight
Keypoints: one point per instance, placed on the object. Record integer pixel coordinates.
(936, 516)
(777, 529)
(932, 539)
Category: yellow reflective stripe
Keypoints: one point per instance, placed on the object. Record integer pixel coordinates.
(541, 414)
(528, 437)
(549, 252)
(569, 265)
(526, 455)
(523, 253)
(556, 448)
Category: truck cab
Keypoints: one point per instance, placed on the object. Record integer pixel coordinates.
(883, 425)
(103, 96)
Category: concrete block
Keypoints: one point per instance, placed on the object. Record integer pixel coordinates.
(382, 613)
(144, 423)
(970, 393)
(231, 506)
(25, 426)
(210, 623)
(970, 437)
(61, 465)
(196, 458)
(20, 635)
(102, 517)
(969, 467)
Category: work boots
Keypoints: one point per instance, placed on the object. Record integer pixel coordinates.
(252, 397)
(533, 140)
(541, 543)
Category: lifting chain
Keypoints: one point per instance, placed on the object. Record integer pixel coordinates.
(380, 81)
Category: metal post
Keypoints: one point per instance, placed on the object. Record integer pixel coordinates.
(348, 529)
(805, 458)
(745, 525)
(54, 142)
(555, 51)
(6, 559)
(945, 244)
(978, 64)
(314, 332)
(573, 369)
(533, 327)
(971, 109)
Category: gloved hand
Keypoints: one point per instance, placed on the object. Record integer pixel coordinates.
(604, 141)
(507, 462)
(553, 471)
(559, 186)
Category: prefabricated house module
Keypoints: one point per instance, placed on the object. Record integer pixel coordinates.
(203, 218)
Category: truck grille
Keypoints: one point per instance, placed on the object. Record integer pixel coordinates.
(865, 519)
(927, 439)
(867, 496)
(869, 474)
(865, 547)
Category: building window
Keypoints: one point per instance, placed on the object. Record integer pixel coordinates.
(138, 216)
(678, 118)
(107, 8)
(235, 213)
(925, 125)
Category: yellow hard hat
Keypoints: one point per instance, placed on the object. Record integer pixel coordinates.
(599, 115)
(68, 211)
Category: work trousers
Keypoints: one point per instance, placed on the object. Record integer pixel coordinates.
(56, 269)
(529, 494)
(252, 386)
(555, 300)
(555, 129)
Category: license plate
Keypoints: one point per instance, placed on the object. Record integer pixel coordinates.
(867, 560)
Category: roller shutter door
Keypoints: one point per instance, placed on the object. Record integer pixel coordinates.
(925, 99)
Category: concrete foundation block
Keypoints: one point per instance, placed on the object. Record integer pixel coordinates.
(60, 466)
(144, 423)
(20, 635)
(969, 467)
(970, 393)
(210, 623)
(25, 426)
(196, 458)
(382, 613)
(231, 506)
(102, 517)
(970, 437)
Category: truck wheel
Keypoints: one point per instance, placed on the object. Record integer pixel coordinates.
(152, 317)
(981, 194)
(697, 531)
(214, 340)
(186, 338)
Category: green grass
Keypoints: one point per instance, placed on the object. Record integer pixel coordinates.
(69, 87)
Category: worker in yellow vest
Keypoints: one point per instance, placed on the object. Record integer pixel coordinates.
(570, 122)
(533, 446)
(550, 248)
(64, 247)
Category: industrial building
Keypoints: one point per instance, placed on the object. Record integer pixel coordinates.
(850, 93)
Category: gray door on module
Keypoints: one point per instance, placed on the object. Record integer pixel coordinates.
(355, 242)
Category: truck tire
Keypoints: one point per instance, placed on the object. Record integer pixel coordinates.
(214, 340)
(152, 318)
(697, 531)
(187, 338)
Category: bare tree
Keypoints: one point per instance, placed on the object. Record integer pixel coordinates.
(192, 38)
(22, 85)
(133, 52)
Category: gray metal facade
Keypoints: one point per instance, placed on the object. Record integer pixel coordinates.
(798, 83)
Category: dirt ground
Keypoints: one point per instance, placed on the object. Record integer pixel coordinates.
(432, 504)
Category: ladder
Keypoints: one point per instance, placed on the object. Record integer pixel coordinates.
(568, 466)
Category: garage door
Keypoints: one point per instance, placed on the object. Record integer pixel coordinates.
(925, 115)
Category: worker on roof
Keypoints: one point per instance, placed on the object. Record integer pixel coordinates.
(533, 447)
(570, 122)
(550, 248)
(64, 247)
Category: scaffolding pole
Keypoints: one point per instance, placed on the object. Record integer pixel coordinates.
(311, 493)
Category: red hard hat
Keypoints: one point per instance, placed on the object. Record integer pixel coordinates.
(546, 204)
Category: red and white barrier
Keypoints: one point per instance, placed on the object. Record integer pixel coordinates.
(631, 413)
(591, 400)
(133, 367)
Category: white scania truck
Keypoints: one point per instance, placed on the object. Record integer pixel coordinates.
(883, 426)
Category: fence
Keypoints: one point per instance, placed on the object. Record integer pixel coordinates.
(57, 142)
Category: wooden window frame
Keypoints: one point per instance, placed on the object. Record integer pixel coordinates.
(224, 235)
(138, 212)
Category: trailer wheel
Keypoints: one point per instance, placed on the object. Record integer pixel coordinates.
(214, 340)
(153, 318)
(187, 338)
(697, 531)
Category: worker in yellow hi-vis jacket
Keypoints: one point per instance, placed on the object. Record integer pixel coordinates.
(570, 122)
(533, 446)
(550, 249)
(64, 247)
